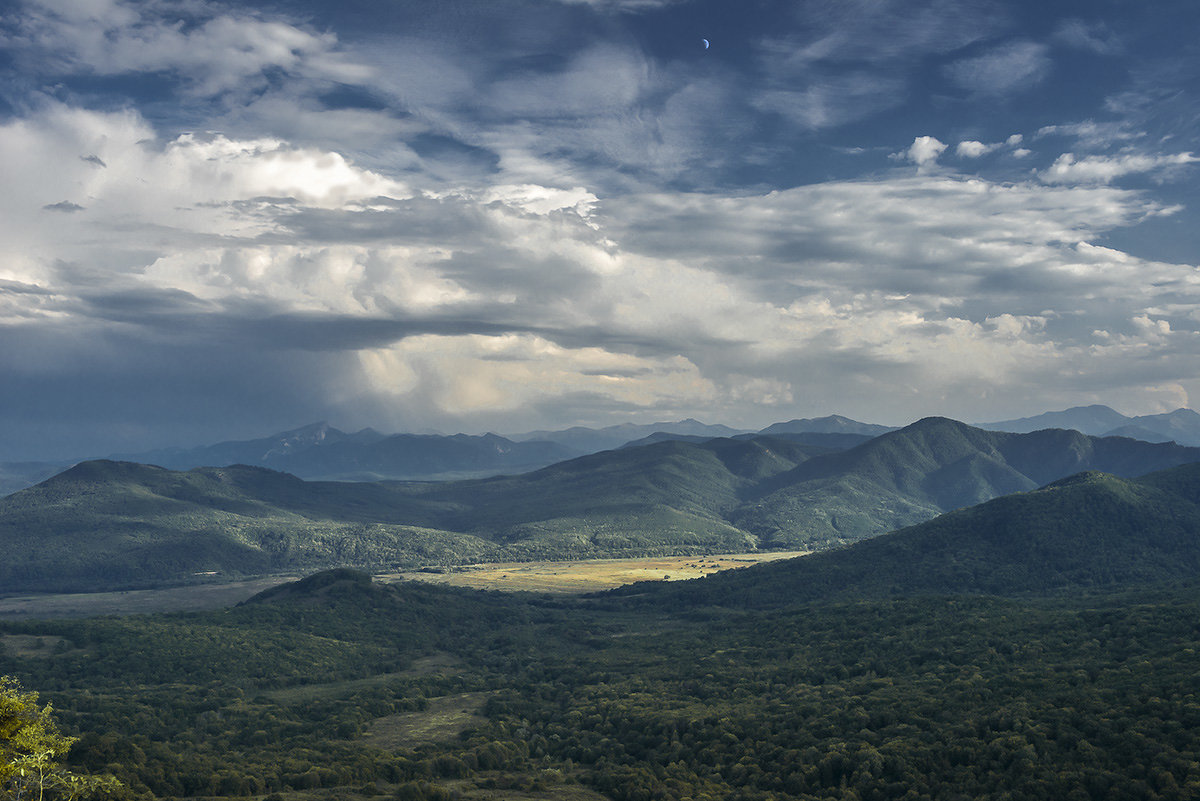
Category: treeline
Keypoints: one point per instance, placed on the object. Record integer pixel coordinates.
(936, 698)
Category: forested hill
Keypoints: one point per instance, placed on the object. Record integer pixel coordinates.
(1089, 531)
(110, 524)
(932, 466)
(105, 525)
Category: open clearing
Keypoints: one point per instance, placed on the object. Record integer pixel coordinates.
(557, 577)
(441, 721)
(588, 576)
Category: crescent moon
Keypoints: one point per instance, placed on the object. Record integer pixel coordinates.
(705, 43)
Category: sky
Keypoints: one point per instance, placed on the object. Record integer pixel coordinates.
(222, 220)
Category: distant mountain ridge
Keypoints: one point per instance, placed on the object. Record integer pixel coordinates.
(320, 451)
(1181, 426)
(592, 440)
(124, 524)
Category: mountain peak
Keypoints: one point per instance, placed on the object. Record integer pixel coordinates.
(104, 470)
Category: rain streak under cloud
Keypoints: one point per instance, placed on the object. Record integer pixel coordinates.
(222, 220)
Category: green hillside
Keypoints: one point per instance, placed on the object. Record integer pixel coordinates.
(1089, 531)
(112, 525)
(930, 467)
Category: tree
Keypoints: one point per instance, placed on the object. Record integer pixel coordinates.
(31, 751)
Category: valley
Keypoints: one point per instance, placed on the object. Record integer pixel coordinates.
(539, 577)
(936, 612)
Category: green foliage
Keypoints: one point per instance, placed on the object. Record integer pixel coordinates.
(925, 698)
(32, 750)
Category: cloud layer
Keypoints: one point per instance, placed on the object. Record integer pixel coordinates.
(227, 222)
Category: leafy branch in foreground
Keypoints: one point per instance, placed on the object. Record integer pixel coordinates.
(31, 749)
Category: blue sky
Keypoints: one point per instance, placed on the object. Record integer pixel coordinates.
(222, 220)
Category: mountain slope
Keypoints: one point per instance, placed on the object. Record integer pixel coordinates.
(932, 466)
(105, 524)
(1092, 530)
(108, 524)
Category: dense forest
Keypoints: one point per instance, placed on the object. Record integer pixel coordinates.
(321, 688)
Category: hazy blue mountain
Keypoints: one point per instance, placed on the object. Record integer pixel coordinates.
(254, 451)
(320, 451)
(1088, 531)
(834, 441)
(1095, 420)
(591, 440)
(833, 424)
(1181, 425)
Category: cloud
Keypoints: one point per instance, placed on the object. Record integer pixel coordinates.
(883, 31)
(924, 151)
(858, 58)
(538, 221)
(827, 101)
(1002, 70)
(1105, 169)
(490, 306)
(1092, 134)
(1093, 36)
(972, 149)
(213, 52)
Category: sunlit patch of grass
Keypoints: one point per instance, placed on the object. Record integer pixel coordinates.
(589, 575)
(441, 721)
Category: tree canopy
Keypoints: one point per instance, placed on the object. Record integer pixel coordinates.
(32, 749)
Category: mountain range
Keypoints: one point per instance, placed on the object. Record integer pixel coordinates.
(1181, 426)
(120, 524)
(321, 452)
